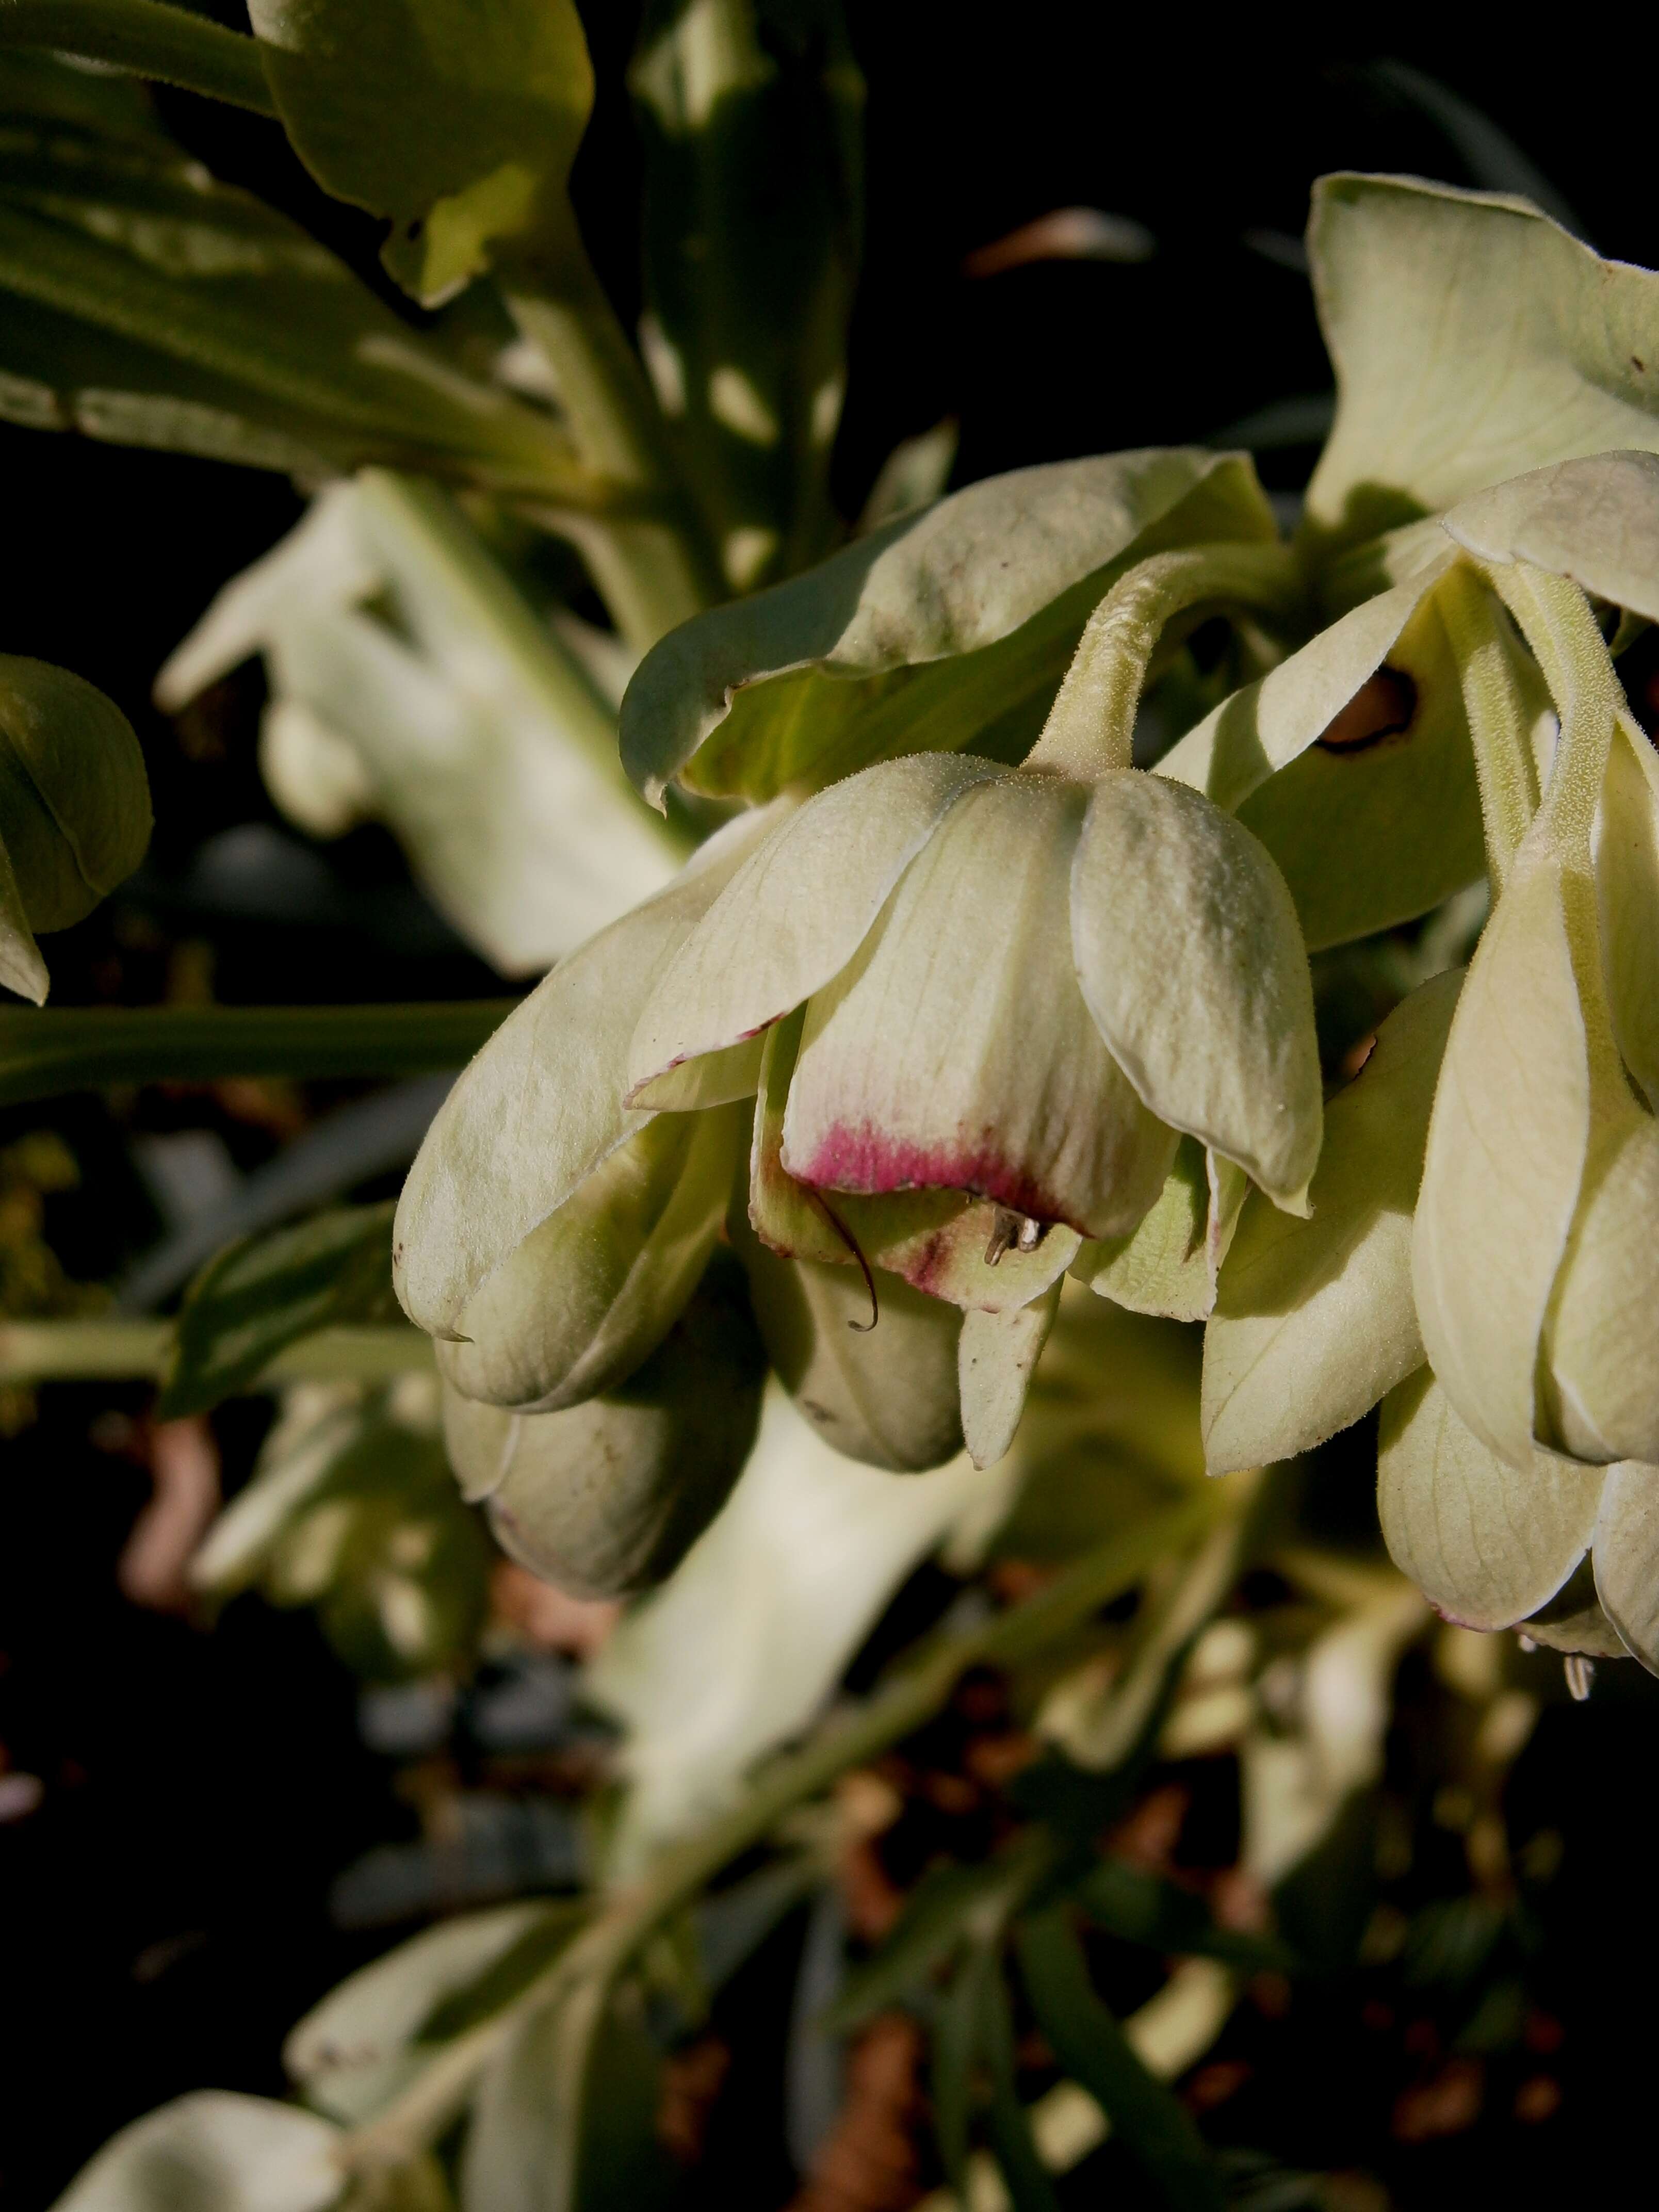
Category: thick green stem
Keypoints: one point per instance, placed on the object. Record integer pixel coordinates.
(1090, 726)
(653, 576)
(146, 39)
(1503, 764)
(1556, 621)
(44, 1054)
(118, 1349)
(603, 1951)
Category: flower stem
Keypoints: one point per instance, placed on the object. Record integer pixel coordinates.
(82, 1048)
(1090, 726)
(603, 1950)
(1503, 758)
(1556, 621)
(115, 1350)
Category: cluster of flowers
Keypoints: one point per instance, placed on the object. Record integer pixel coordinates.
(964, 1000)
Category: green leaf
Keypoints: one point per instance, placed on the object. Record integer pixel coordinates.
(1007, 2121)
(1486, 1543)
(74, 812)
(1139, 1907)
(564, 2119)
(1474, 339)
(355, 2051)
(268, 1291)
(948, 631)
(150, 306)
(1627, 894)
(958, 2040)
(1092, 2047)
(951, 1907)
(458, 122)
(750, 115)
(169, 43)
(1315, 1319)
(214, 2152)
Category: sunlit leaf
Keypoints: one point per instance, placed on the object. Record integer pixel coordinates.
(214, 2151)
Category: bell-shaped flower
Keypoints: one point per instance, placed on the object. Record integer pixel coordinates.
(1537, 1228)
(1566, 1554)
(992, 998)
(547, 1236)
(75, 814)
(607, 1496)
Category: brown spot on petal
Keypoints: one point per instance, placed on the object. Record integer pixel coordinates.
(1383, 707)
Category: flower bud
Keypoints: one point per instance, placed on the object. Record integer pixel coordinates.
(607, 1496)
(887, 1394)
(578, 1304)
(74, 813)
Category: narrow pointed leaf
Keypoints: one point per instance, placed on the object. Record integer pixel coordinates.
(1600, 1345)
(1487, 1542)
(1090, 2045)
(269, 1292)
(1315, 1319)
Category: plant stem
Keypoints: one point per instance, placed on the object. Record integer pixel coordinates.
(146, 39)
(1503, 758)
(1090, 726)
(116, 1350)
(653, 576)
(603, 1951)
(44, 1054)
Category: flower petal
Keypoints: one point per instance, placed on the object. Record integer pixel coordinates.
(1506, 1148)
(1473, 338)
(1168, 1268)
(796, 912)
(1601, 1341)
(1627, 1556)
(935, 1240)
(1628, 893)
(1315, 1319)
(997, 1357)
(1486, 1542)
(541, 1105)
(955, 1053)
(1189, 955)
(1594, 520)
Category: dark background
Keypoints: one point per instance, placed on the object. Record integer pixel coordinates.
(162, 1916)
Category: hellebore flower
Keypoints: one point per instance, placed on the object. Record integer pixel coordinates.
(991, 998)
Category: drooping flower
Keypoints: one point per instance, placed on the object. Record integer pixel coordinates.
(991, 998)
